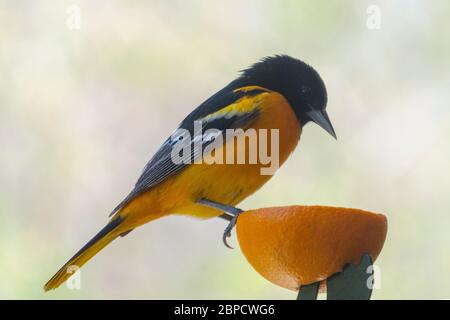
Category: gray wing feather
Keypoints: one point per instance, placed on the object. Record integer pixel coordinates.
(161, 166)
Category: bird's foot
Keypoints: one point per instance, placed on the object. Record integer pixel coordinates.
(231, 214)
(228, 229)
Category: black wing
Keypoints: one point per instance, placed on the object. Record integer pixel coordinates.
(162, 166)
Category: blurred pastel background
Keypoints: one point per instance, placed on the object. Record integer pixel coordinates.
(82, 110)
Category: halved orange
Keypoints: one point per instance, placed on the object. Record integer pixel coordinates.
(299, 245)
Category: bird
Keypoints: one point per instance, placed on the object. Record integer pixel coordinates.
(277, 92)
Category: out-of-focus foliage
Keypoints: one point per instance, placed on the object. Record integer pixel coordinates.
(81, 111)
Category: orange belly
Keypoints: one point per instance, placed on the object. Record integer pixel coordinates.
(224, 183)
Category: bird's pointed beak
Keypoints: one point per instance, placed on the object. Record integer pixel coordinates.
(320, 117)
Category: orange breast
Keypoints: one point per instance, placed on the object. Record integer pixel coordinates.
(232, 183)
(225, 183)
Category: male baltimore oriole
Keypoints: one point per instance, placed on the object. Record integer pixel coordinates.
(278, 92)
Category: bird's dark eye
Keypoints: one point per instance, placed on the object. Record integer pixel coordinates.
(306, 91)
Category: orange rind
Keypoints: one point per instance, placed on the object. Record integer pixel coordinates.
(299, 245)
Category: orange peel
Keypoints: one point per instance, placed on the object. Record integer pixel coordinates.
(299, 245)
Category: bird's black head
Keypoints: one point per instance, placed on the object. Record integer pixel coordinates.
(298, 82)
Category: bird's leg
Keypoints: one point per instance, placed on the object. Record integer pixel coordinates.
(231, 214)
(227, 231)
(226, 216)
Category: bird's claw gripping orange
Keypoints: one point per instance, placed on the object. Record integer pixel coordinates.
(228, 229)
(231, 214)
